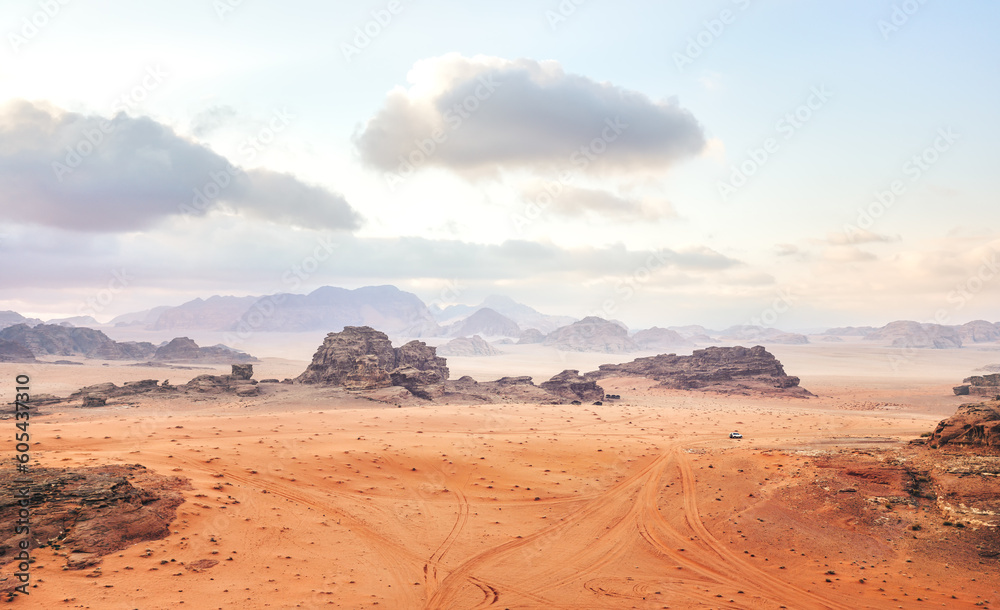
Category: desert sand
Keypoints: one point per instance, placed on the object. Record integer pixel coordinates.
(308, 499)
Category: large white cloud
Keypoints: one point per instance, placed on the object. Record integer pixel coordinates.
(482, 114)
(90, 173)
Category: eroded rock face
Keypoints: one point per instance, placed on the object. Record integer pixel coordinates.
(980, 385)
(362, 358)
(183, 349)
(90, 512)
(421, 356)
(720, 369)
(973, 425)
(570, 385)
(337, 357)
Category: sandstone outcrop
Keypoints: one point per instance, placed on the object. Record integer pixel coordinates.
(979, 385)
(183, 349)
(362, 358)
(84, 513)
(592, 334)
(973, 426)
(238, 383)
(570, 385)
(468, 346)
(719, 369)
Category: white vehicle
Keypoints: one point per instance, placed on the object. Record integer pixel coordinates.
(735, 435)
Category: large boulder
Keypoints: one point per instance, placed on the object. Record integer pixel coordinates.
(570, 385)
(424, 384)
(420, 356)
(972, 425)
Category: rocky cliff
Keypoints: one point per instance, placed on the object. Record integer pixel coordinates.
(183, 349)
(570, 385)
(719, 369)
(972, 426)
(362, 358)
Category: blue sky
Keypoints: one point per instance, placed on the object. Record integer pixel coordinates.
(868, 98)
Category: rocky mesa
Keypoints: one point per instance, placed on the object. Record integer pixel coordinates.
(717, 369)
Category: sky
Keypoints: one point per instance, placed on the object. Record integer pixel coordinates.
(792, 163)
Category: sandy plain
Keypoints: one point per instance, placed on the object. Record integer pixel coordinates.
(312, 499)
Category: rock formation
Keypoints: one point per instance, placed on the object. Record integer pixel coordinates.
(14, 352)
(980, 385)
(238, 383)
(183, 349)
(56, 340)
(592, 334)
(362, 358)
(973, 425)
(468, 346)
(657, 338)
(718, 369)
(88, 512)
(570, 385)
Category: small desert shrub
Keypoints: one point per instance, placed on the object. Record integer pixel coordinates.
(916, 527)
(926, 434)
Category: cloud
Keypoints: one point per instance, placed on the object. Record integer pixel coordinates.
(482, 114)
(210, 119)
(88, 173)
(857, 236)
(578, 202)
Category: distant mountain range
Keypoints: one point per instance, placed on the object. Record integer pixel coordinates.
(404, 314)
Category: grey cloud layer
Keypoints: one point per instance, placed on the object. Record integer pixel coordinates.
(87, 173)
(491, 113)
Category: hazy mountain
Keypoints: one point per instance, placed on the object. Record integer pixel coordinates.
(850, 331)
(55, 340)
(979, 331)
(140, 318)
(468, 346)
(10, 318)
(330, 309)
(74, 321)
(592, 334)
(906, 333)
(183, 349)
(761, 334)
(657, 338)
(525, 316)
(213, 313)
(487, 322)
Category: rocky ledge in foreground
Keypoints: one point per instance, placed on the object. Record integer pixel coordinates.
(730, 370)
(87, 512)
(973, 426)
